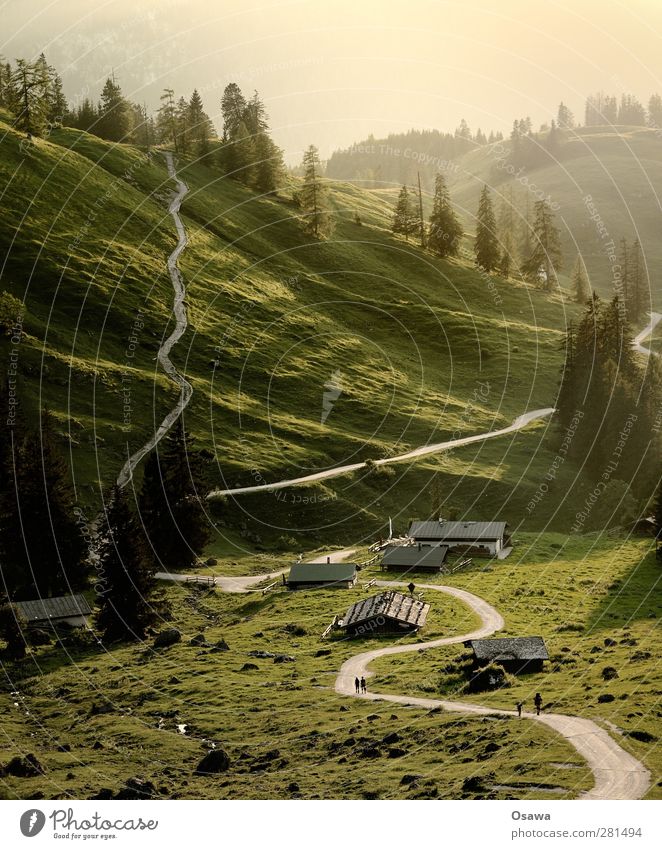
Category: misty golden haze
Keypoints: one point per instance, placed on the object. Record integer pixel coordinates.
(334, 72)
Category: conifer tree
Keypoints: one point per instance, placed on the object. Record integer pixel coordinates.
(313, 198)
(233, 108)
(269, 165)
(405, 218)
(126, 588)
(170, 501)
(26, 99)
(201, 128)
(444, 229)
(545, 258)
(486, 244)
(166, 121)
(114, 122)
(43, 546)
(581, 288)
(636, 287)
(183, 127)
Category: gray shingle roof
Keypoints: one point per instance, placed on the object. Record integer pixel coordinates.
(314, 573)
(515, 648)
(427, 557)
(450, 531)
(61, 607)
(391, 605)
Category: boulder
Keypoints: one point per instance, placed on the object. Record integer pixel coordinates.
(284, 658)
(213, 763)
(135, 789)
(391, 738)
(166, 638)
(248, 667)
(261, 653)
(603, 698)
(322, 652)
(199, 640)
(609, 673)
(221, 645)
(23, 767)
(395, 752)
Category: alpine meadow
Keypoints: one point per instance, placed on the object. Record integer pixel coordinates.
(331, 454)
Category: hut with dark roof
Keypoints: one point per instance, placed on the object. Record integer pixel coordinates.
(71, 610)
(517, 655)
(324, 574)
(387, 613)
(415, 558)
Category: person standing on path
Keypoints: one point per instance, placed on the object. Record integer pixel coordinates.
(364, 689)
(357, 684)
(519, 706)
(537, 701)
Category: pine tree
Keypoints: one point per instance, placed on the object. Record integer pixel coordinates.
(26, 99)
(636, 287)
(233, 108)
(239, 156)
(444, 229)
(564, 117)
(183, 128)
(486, 244)
(170, 501)
(405, 218)
(201, 128)
(545, 258)
(581, 288)
(166, 120)
(269, 165)
(43, 546)
(655, 111)
(313, 198)
(126, 587)
(114, 123)
(12, 630)
(506, 261)
(85, 116)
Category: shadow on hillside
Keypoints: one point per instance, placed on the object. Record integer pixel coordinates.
(636, 596)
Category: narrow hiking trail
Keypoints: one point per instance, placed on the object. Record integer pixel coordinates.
(617, 774)
(519, 423)
(181, 323)
(655, 318)
(247, 584)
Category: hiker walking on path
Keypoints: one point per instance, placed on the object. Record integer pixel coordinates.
(519, 706)
(364, 689)
(537, 701)
(357, 684)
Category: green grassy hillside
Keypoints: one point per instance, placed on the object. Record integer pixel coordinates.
(619, 169)
(421, 349)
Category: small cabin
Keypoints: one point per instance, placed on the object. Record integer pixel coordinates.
(71, 610)
(517, 655)
(323, 574)
(415, 558)
(477, 539)
(386, 613)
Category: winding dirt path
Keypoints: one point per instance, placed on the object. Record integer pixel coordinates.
(181, 323)
(247, 584)
(519, 423)
(655, 319)
(617, 774)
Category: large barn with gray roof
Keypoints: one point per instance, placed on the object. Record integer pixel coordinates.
(487, 538)
(415, 558)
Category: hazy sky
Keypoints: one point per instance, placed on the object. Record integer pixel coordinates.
(332, 71)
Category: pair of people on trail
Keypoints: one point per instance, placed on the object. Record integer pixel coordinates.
(360, 686)
(537, 701)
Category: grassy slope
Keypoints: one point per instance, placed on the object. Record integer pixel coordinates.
(620, 170)
(411, 337)
(320, 737)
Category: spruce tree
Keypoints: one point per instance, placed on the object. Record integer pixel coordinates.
(405, 218)
(269, 166)
(233, 108)
(183, 126)
(545, 258)
(166, 121)
(486, 245)
(313, 198)
(636, 288)
(26, 99)
(581, 288)
(43, 545)
(114, 123)
(171, 505)
(125, 586)
(201, 128)
(444, 229)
